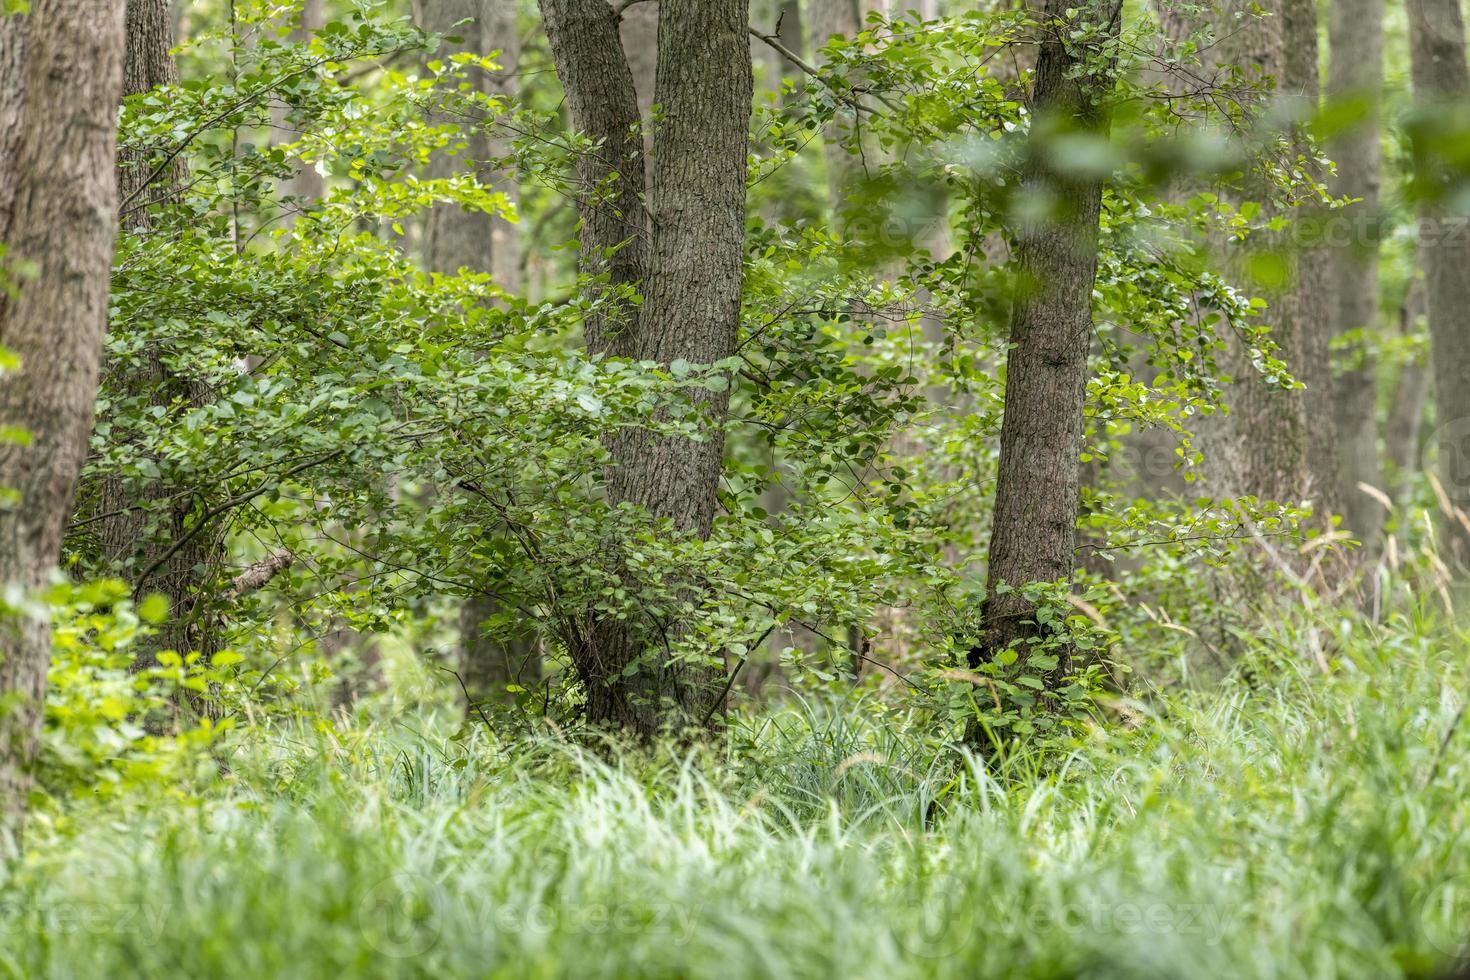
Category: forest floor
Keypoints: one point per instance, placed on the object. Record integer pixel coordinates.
(1309, 823)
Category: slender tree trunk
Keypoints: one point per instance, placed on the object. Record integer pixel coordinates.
(132, 540)
(603, 104)
(690, 279)
(1437, 48)
(59, 188)
(306, 185)
(1406, 413)
(842, 137)
(1355, 78)
(1034, 532)
(455, 236)
(1310, 294)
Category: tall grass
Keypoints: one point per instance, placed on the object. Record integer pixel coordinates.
(1312, 823)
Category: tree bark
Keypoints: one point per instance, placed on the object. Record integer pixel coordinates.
(690, 277)
(1034, 531)
(59, 173)
(1355, 77)
(1310, 293)
(1437, 49)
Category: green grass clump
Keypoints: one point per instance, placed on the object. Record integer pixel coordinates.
(1310, 824)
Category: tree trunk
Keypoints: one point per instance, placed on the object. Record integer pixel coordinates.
(58, 176)
(1406, 412)
(603, 104)
(457, 238)
(1437, 48)
(1310, 350)
(148, 63)
(841, 19)
(1034, 532)
(306, 185)
(1355, 77)
(133, 540)
(690, 279)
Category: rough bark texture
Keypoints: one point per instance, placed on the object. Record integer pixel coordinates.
(1034, 532)
(1437, 47)
(1355, 77)
(687, 264)
(604, 106)
(12, 106)
(60, 172)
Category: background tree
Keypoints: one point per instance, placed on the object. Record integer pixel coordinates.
(463, 238)
(142, 525)
(1034, 535)
(1354, 92)
(1441, 86)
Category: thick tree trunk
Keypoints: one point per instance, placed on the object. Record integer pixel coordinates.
(1264, 445)
(1034, 533)
(690, 279)
(1355, 77)
(59, 174)
(1437, 47)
